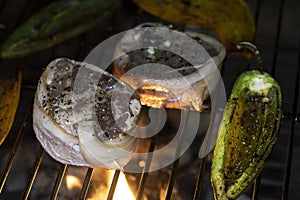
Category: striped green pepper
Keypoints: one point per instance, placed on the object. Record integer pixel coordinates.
(57, 22)
(247, 133)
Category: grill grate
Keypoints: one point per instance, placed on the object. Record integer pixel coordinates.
(278, 179)
(293, 120)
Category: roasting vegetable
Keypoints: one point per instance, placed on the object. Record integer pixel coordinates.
(231, 20)
(247, 133)
(9, 99)
(57, 22)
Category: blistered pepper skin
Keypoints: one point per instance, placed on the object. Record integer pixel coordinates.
(247, 133)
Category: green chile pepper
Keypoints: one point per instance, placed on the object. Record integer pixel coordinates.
(247, 133)
(57, 22)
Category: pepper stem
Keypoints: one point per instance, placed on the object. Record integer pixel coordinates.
(254, 51)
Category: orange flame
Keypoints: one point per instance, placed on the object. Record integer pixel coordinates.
(73, 182)
(122, 189)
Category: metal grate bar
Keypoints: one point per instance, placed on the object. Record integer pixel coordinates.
(144, 174)
(256, 186)
(293, 117)
(22, 13)
(13, 152)
(138, 16)
(2, 2)
(19, 18)
(181, 132)
(29, 87)
(289, 153)
(256, 15)
(34, 172)
(256, 183)
(200, 176)
(279, 22)
(113, 185)
(172, 179)
(59, 179)
(86, 183)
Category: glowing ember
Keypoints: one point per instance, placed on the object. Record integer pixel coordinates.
(73, 182)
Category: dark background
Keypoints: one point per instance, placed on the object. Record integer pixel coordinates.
(277, 37)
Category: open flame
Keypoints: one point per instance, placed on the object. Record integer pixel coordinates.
(122, 189)
(73, 182)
